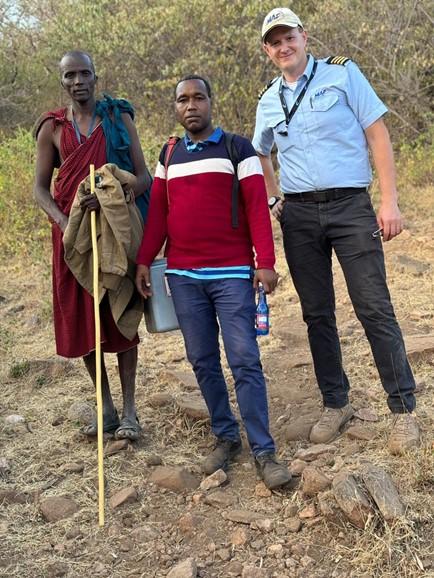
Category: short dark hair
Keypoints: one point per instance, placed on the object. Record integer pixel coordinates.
(79, 53)
(195, 77)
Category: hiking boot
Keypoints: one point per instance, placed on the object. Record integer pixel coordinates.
(327, 428)
(405, 433)
(219, 458)
(271, 472)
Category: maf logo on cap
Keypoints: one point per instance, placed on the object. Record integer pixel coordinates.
(280, 17)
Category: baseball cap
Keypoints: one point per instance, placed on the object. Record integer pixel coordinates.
(280, 17)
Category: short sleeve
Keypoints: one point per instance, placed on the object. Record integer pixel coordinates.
(263, 139)
(362, 98)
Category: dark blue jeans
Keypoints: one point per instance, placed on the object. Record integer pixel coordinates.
(311, 230)
(201, 307)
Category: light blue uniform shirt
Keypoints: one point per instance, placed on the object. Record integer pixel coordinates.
(326, 146)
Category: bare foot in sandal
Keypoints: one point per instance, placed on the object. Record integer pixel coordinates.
(128, 429)
(110, 425)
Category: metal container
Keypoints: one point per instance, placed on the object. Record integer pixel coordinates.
(160, 313)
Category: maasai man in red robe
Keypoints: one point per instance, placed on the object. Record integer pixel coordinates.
(87, 132)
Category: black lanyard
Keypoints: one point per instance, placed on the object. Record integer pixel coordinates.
(290, 113)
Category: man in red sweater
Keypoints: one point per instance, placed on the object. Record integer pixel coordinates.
(212, 271)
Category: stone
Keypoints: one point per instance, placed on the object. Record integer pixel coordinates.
(383, 491)
(185, 569)
(366, 414)
(57, 508)
(220, 499)
(314, 481)
(115, 447)
(186, 380)
(411, 265)
(242, 516)
(125, 544)
(81, 413)
(250, 571)
(73, 533)
(352, 499)
(328, 506)
(224, 554)
(125, 496)
(193, 405)
(314, 452)
(261, 491)
(188, 522)
(58, 420)
(419, 347)
(144, 534)
(12, 496)
(160, 399)
(275, 550)
(233, 569)
(291, 510)
(293, 525)
(262, 524)
(214, 480)
(308, 511)
(299, 429)
(154, 460)
(239, 537)
(5, 467)
(360, 432)
(175, 478)
(56, 569)
(73, 468)
(296, 467)
(14, 419)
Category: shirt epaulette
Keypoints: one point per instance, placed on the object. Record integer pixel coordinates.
(342, 60)
(266, 87)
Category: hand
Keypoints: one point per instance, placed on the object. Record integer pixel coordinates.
(276, 211)
(143, 281)
(389, 219)
(90, 202)
(268, 278)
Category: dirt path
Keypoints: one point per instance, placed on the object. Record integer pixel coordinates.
(44, 455)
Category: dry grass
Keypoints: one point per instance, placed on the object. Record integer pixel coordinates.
(39, 451)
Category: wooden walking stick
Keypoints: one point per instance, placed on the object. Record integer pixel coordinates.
(100, 422)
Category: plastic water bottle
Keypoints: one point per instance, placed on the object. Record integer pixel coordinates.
(262, 313)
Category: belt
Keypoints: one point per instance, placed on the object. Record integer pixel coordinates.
(324, 195)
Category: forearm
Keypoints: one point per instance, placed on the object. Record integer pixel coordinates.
(48, 205)
(269, 176)
(382, 153)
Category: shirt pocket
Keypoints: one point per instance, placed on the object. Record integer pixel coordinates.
(324, 102)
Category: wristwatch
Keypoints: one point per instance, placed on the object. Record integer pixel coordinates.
(272, 201)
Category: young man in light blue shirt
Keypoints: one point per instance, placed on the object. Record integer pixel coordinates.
(324, 118)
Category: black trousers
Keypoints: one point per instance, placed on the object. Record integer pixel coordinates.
(311, 230)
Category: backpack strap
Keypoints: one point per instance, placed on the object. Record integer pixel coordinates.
(235, 159)
(170, 148)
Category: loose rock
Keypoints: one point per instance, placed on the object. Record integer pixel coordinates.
(291, 510)
(214, 480)
(293, 525)
(116, 446)
(193, 405)
(314, 452)
(185, 569)
(81, 412)
(144, 534)
(242, 516)
(154, 460)
(124, 496)
(366, 414)
(360, 432)
(239, 537)
(419, 347)
(5, 467)
(14, 419)
(254, 572)
(264, 525)
(296, 467)
(384, 493)
(314, 481)
(186, 380)
(175, 478)
(220, 499)
(12, 496)
(187, 523)
(160, 399)
(261, 491)
(57, 508)
(352, 499)
(308, 512)
(299, 429)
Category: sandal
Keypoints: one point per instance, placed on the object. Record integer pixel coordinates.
(110, 425)
(129, 429)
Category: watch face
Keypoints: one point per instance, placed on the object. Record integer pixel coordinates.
(272, 201)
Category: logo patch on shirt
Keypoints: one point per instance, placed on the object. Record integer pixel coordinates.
(320, 92)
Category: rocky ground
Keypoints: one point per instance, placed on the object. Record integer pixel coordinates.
(351, 510)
